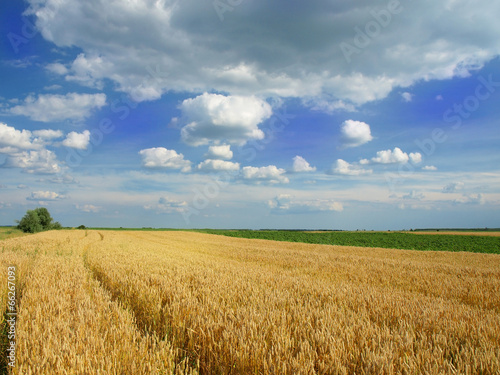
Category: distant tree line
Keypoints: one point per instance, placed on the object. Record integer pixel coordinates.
(37, 220)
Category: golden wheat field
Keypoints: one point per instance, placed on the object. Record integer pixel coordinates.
(125, 302)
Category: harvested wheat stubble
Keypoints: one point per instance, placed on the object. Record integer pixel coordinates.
(219, 305)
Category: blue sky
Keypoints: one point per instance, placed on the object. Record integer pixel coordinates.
(248, 115)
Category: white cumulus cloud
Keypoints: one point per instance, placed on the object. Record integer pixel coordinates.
(49, 107)
(342, 167)
(12, 139)
(214, 118)
(211, 165)
(219, 152)
(407, 97)
(160, 157)
(301, 165)
(270, 174)
(193, 51)
(76, 140)
(429, 168)
(396, 156)
(355, 133)
(35, 161)
(48, 134)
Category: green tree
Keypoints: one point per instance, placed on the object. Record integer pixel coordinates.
(30, 223)
(37, 220)
(44, 216)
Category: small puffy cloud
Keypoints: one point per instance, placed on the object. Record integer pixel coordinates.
(213, 165)
(57, 68)
(219, 152)
(168, 205)
(45, 196)
(301, 165)
(471, 199)
(390, 157)
(12, 139)
(49, 107)
(407, 97)
(429, 168)
(160, 157)
(88, 208)
(453, 187)
(285, 203)
(355, 133)
(270, 174)
(216, 118)
(439, 97)
(34, 161)
(342, 167)
(63, 179)
(415, 157)
(76, 140)
(52, 87)
(396, 156)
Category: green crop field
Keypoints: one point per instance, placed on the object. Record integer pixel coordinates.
(10, 232)
(390, 240)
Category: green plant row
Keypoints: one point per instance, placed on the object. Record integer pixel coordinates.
(390, 240)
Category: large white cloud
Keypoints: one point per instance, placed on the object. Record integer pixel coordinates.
(35, 161)
(215, 118)
(270, 174)
(355, 133)
(150, 47)
(27, 150)
(160, 157)
(12, 139)
(49, 107)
